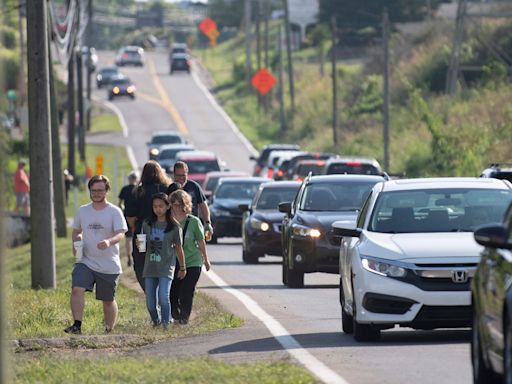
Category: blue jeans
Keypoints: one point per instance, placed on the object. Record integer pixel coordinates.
(158, 286)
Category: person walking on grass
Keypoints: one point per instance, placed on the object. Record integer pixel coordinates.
(100, 226)
(164, 246)
(152, 180)
(194, 245)
(125, 199)
(199, 205)
(22, 189)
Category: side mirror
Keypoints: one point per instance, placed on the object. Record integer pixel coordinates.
(346, 228)
(285, 207)
(493, 236)
(244, 207)
(252, 158)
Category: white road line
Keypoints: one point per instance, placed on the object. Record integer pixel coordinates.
(288, 342)
(119, 116)
(224, 115)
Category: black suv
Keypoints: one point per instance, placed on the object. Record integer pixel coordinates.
(307, 239)
(502, 171)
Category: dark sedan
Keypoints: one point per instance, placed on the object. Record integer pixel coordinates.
(261, 226)
(491, 342)
(308, 242)
(121, 86)
(105, 74)
(225, 212)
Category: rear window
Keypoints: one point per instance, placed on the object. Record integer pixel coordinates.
(304, 169)
(202, 166)
(270, 198)
(171, 153)
(237, 190)
(503, 176)
(353, 169)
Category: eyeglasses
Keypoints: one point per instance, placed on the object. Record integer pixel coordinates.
(177, 204)
(180, 175)
(98, 190)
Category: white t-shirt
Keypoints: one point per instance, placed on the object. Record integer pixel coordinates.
(98, 225)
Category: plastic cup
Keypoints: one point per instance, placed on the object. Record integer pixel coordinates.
(79, 249)
(141, 242)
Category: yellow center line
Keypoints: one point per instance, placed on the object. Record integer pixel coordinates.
(166, 102)
(150, 98)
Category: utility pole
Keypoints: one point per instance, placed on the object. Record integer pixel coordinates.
(58, 180)
(80, 104)
(266, 33)
(289, 55)
(453, 69)
(248, 40)
(71, 115)
(89, 71)
(334, 81)
(21, 81)
(385, 112)
(4, 336)
(41, 178)
(282, 117)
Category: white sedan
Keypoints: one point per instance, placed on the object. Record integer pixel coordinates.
(411, 256)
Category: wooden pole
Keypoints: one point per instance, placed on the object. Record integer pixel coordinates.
(385, 112)
(334, 82)
(41, 175)
(248, 42)
(289, 56)
(71, 116)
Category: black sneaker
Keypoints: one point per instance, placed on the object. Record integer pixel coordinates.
(183, 321)
(73, 329)
(107, 330)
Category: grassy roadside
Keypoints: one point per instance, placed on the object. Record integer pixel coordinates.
(104, 120)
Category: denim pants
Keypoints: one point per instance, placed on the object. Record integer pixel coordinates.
(158, 287)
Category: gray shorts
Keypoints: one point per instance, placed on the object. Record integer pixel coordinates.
(85, 277)
(22, 198)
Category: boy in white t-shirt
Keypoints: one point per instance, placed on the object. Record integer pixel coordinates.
(100, 225)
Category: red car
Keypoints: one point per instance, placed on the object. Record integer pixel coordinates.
(200, 163)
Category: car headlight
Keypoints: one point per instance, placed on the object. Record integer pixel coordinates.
(302, 231)
(130, 89)
(383, 268)
(259, 225)
(154, 151)
(116, 90)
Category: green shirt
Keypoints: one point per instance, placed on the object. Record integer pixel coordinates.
(160, 258)
(195, 231)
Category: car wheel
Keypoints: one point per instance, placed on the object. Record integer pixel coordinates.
(132, 97)
(481, 373)
(249, 257)
(284, 273)
(347, 321)
(214, 239)
(110, 97)
(363, 332)
(294, 278)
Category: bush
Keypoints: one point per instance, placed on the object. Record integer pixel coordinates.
(9, 61)
(9, 37)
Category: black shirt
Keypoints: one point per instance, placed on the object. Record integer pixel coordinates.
(142, 207)
(196, 193)
(126, 195)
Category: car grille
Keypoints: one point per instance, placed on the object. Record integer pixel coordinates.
(442, 316)
(332, 238)
(441, 277)
(277, 227)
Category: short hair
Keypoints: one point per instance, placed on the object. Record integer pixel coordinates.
(173, 187)
(132, 176)
(99, 179)
(180, 165)
(183, 198)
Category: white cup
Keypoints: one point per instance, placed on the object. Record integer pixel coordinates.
(141, 242)
(79, 249)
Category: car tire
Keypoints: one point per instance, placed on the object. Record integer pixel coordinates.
(507, 358)
(294, 278)
(110, 97)
(284, 273)
(481, 373)
(347, 320)
(249, 257)
(214, 239)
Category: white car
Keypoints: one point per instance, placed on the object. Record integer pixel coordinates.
(411, 256)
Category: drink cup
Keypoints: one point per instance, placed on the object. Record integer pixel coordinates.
(79, 249)
(141, 242)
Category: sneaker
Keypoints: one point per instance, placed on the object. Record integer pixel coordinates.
(183, 321)
(73, 329)
(107, 330)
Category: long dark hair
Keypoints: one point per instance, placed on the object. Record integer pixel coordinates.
(152, 173)
(168, 218)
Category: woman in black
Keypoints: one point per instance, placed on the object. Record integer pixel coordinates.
(152, 180)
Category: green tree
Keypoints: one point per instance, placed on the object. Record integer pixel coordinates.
(226, 13)
(318, 37)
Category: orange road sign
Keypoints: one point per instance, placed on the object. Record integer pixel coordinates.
(207, 25)
(263, 81)
(99, 165)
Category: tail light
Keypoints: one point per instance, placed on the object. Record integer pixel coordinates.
(270, 172)
(125, 56)
(353, 163)
(280, 173)
(257, 170)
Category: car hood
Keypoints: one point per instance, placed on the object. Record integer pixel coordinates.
(421, 247)
(229, 204)
(269, 215)
(325, 219)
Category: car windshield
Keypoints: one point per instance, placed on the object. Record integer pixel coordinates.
(271, 197)
(342, 196)
(438, 210)
(202, 166)
(243, 190)
(120, 81)
(109, 72)
(170, 153)
(353, 168)
(166, 139)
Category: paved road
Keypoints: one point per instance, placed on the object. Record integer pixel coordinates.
(306, 321)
